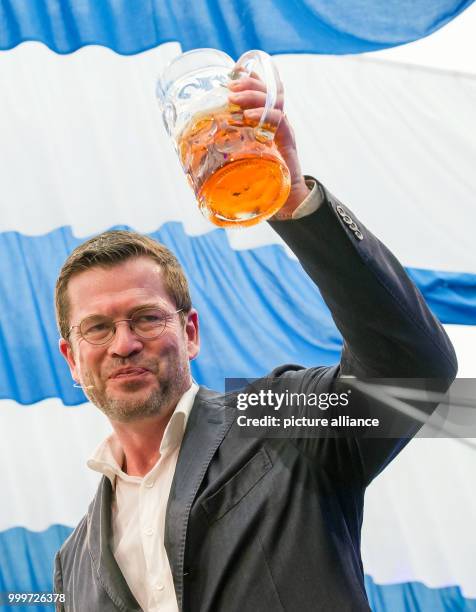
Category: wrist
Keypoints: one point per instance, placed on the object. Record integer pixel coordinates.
(299, 192)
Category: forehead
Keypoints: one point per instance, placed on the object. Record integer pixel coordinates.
(114, 289)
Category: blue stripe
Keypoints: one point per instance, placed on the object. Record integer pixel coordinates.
(26, 564)
(451, 296)
(416, 597)
(258, 309)
(305, 26)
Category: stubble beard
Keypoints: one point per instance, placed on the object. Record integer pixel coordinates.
(161, 400)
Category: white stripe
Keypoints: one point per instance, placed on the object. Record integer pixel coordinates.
(452, 47)
(419, 517)
(463, 338)
(419, 513)
(44, 479)
(83, 145)
(397, 144)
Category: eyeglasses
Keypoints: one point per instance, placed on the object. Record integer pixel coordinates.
(147, 323)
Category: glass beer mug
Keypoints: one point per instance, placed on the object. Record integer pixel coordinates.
(233, 165)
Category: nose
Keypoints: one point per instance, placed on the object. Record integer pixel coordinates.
(125, 342)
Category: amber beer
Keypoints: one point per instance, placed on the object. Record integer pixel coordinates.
(236, 171)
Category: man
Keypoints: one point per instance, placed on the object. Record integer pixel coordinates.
(189, 515)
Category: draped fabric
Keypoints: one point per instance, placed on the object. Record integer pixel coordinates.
(276, 26)
(83, 149)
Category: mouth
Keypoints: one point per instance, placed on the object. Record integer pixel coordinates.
(129, 373)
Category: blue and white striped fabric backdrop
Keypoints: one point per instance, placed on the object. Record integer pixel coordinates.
(82, 149)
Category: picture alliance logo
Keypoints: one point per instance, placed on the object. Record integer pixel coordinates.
(287, 399)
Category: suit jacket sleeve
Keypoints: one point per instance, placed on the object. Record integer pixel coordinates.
(387, 328)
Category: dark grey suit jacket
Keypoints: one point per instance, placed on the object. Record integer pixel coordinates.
(259, 524)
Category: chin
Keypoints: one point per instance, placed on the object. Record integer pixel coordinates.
(128, 411)
(130, 406)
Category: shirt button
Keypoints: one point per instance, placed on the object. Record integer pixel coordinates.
(159, 587)
(149, 531)
(149, 484)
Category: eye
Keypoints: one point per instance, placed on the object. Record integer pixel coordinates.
(94, 327)
(149, 317)
(98, 327)
(146, 320)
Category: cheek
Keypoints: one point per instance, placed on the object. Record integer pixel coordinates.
(88, 363)
(167, 347)
(171, 346)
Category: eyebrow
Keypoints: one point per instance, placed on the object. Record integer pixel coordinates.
(148, 305)
(129, 312)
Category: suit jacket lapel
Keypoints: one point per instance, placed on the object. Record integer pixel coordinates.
(208, 422)
(99, 536)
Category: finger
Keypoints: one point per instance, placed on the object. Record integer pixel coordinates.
(273, 119)
(278, 123)
(248, 98)
(247, 83)
(241, 72)
(250, 83)
(253, 99)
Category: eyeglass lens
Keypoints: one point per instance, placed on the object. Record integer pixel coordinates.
(147, 323)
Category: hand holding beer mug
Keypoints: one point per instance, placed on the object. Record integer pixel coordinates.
(229, 156)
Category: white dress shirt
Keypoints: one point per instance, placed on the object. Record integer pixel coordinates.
(138, 513)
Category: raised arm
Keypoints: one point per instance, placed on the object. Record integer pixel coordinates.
(387, 327)
(388, 330)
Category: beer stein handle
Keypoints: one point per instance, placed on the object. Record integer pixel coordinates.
(247, 63)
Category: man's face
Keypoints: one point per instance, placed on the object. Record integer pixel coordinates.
(129, 378)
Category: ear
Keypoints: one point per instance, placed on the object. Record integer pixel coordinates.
(67, 351)
(193, 335)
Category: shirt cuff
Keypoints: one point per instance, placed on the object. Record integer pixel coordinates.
(312, 202)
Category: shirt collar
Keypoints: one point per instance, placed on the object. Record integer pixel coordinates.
(108, 458)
